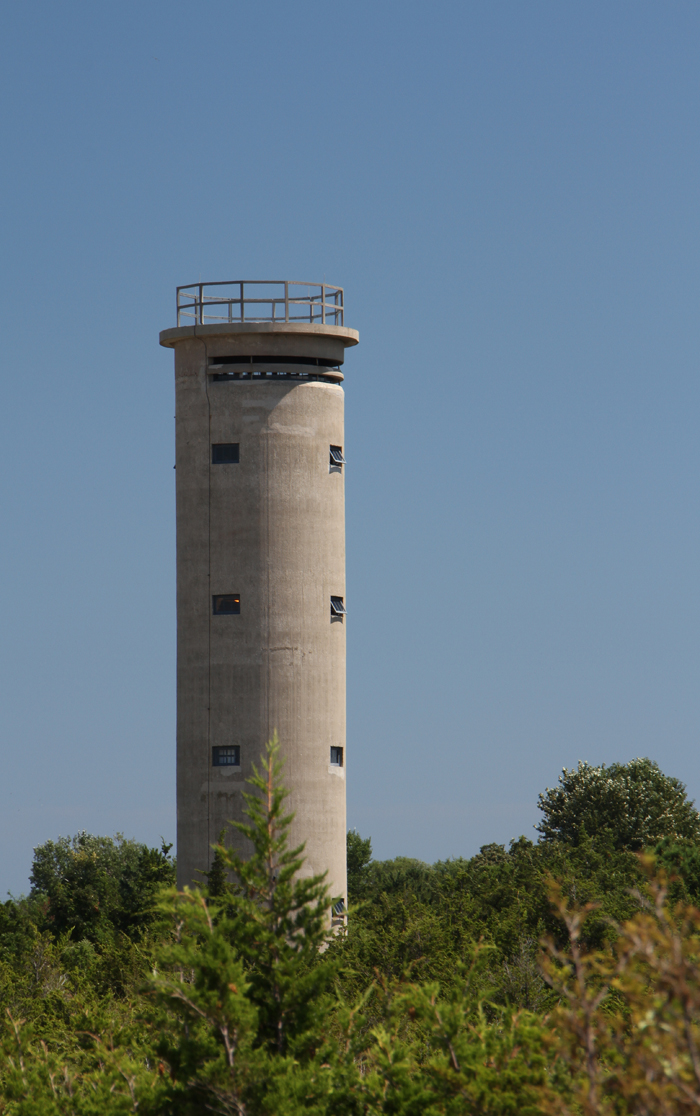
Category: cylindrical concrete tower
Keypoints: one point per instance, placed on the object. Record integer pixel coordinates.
(260, 560)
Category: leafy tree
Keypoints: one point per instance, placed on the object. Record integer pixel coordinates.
(634, 804)
(94, 886)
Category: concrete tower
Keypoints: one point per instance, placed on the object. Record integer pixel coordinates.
(260, 560)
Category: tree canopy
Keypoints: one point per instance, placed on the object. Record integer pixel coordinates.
(94, 886)
(633, 805)
(474, 985)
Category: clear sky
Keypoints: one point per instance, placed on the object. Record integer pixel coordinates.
(508, 192)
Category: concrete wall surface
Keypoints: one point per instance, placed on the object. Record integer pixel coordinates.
(271, 529)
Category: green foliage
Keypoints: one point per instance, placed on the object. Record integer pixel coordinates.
(468, 1063)
(240, 1014)
(217, 876)
(633, 803)
(625, 1031)
(83, 938)
(249, 1023)
(278, 919)
(209, 1023)
(424, 920)
(359, 855)
(80, 1072)
(242, 977)
(96, 886)
(119, 994)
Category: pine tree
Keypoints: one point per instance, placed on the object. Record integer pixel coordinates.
(217, 878)
(243, 986)
(278, 920)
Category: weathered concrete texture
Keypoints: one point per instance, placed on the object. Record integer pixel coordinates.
(271, 528)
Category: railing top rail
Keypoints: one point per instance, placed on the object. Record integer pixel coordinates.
(258, 283)
(312, 302)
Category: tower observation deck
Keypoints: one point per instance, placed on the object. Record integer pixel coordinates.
(261, 607)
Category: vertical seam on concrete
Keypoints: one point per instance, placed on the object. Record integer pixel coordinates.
(268, 665)
(209, 602)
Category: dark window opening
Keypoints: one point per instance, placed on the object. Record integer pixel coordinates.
(302, 374)
(227, 604)
(337, 757)
(224, 453)
(319, 362)
(230, 756)
(337, 608)
(337, 458)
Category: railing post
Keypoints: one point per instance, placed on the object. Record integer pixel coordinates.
(242, 304)
(286, 301)
(323, 303)
(201, 305)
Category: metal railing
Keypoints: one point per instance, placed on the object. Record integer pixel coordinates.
(276, 300)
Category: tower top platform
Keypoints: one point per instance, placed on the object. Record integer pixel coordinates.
(259, 306)
(260, 300)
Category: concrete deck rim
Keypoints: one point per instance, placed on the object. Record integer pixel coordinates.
(169, 338)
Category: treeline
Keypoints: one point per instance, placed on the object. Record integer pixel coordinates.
(552, 976)
(423, 919)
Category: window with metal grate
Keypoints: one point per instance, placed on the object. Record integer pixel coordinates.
(229, 756)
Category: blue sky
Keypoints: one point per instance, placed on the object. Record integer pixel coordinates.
(508, 193)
